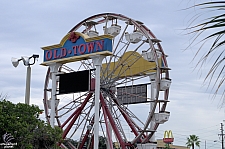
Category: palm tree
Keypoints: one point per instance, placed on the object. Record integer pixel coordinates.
(167, 146)
(193, 140)
(210, 35)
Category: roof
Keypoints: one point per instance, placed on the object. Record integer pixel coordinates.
(160, 143)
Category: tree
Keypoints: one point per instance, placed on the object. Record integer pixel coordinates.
(193, 140)
(69, 140)
(102, 142)
(211, 33)
(167, 146)
(101, 145)
(22, 122)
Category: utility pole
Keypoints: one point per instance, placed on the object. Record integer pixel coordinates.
(222, 134)
(205, 144)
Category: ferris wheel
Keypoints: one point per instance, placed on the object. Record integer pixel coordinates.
(134, 87)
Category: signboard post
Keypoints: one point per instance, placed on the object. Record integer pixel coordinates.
(97, 60)
(53, 69)
(152, 79)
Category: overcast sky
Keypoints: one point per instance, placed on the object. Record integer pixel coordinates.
(25, 26)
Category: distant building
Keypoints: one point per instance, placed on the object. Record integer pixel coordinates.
(161, 145)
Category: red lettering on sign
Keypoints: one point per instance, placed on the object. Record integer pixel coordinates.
(48, 55)
(63, 52)
(55, 54)
(100, 45)
(80, 48)
(75, 50)
(90, 46)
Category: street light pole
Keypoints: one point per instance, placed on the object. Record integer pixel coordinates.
(27, 92)
(26, 62)
(205, 144)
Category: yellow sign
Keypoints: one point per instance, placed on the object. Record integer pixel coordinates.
(130, 64)
(168, 134)
(168, 137)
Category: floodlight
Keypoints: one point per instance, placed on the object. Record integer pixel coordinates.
(25, 60)
(15, 61)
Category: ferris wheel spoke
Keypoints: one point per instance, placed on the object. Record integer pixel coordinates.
(113, 59)
(117, 133)
(66, 68)
(57, 119)
(86, 115)
(84, 137)
(120, 40)
(103, 123)
(106, 75)
(122, 62)
(115, 115)
(75, 116)
(146, 124)
(127, 116)
(127, 80)
(75, 102)
(132, 115)
(85, 65)
(68, 111)
(107, 129)
(116, 45)
(83, 120)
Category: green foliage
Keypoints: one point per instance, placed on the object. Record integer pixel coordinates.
(23, 123)
(73, 142)
(102, 142)
(167, 146)
(193, 140)
(101, 145)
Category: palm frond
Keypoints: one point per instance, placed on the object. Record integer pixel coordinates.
(214, 26)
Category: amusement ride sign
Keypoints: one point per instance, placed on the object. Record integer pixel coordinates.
(76, 46)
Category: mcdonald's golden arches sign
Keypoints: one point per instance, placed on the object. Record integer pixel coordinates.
(168, 137)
